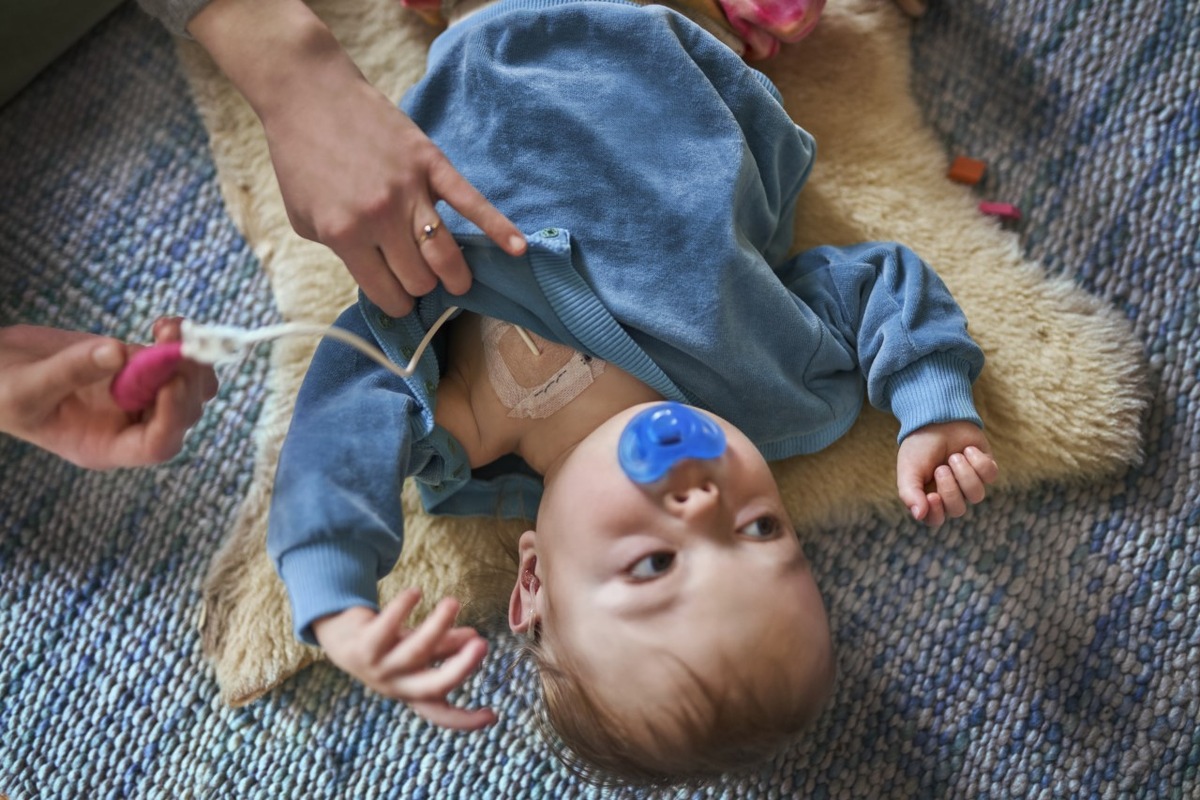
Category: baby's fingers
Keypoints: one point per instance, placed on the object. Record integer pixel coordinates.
(950, 492)
(439, 712)
(937, 513)
(984, 464)
(911, 487)
(969, 481)
(453, 641)
(388, 626)
(436, 682)
(418, 648)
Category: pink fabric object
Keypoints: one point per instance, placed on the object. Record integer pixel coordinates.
(764, 24)
(1002, 210)
(148, 370)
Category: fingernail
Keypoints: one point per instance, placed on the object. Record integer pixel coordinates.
(517, 243)
(916, 512)
(107, 356)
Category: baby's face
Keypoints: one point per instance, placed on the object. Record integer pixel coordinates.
(645, 588)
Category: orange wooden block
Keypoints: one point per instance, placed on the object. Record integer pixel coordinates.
(966, 170)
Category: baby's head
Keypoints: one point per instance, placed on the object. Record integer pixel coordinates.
(678, 630)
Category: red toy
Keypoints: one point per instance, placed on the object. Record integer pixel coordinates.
(966, 170)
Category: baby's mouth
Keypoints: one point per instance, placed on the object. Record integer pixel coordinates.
(663, 435)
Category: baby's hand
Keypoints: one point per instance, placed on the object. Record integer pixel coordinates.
(943, 468)
(416, 665)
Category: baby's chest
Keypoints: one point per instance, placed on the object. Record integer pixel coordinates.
(532, 377)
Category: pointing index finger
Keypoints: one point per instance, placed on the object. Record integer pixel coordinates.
(466, 199)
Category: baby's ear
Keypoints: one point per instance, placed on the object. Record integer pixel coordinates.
(520, 604)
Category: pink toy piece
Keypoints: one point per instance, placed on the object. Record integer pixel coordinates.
(148, 370)
(763, 24)
(1002, 210)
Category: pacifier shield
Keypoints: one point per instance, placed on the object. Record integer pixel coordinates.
(661, 436)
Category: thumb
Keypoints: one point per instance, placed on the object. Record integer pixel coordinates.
(82, 364)
(910, 484)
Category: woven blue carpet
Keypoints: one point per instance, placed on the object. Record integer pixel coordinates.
(1047, 647)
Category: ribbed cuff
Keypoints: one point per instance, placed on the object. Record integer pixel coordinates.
(325, 578)
(935, 389)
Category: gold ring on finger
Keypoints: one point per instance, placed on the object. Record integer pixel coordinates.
(429, 231)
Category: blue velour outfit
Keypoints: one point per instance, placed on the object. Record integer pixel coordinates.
(656, 175)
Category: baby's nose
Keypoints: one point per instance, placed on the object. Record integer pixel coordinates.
(692, 489)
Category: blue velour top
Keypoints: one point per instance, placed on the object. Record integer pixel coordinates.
(656, 175)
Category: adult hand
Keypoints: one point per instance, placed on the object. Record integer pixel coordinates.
(355, 172)
(944, 468)
(55, 394)
(419, 666)
(367, 190)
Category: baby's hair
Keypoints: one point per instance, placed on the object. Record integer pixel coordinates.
(717, 731)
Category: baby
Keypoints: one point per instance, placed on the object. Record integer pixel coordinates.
(625, 382)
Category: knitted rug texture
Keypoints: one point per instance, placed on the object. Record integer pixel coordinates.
(1046, 646)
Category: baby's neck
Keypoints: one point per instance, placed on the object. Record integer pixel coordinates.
(470, 407)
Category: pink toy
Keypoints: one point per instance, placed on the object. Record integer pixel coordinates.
(1002, 210)
(148, 370)
(763, 24)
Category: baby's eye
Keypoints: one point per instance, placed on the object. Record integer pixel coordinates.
(651, 566)
(761, 528)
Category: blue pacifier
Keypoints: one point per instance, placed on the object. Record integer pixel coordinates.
(663, 435)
